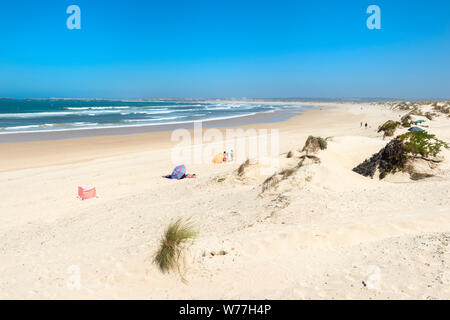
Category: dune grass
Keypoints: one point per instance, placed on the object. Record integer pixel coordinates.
(172, 244)
(286, 173)
(406, 121)
(316, 143)
(242, 167)
(388, 128)
(275, 179)
(323, 142)
(270, 182)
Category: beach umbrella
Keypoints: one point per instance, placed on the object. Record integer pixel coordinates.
(178, 172)
(218, 158)
(415, 129)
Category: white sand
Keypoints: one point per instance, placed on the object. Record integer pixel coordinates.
(326, 233)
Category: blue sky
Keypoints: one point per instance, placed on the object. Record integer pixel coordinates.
(263, 49)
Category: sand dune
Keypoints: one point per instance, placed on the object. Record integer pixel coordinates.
(325, 232)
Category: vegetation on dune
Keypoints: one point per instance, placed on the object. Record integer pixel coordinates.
(414, 108)
(270, 182)
(242, 167)
(314, 144)
(407, 121)
(422, 143)
(389, 127)
(172, 244)
(442, 108)
(273, 181)
(323, 143)
(286, 173)
(289, 154)
(394, 156)
(429, 115)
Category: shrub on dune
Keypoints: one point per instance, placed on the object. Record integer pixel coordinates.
(389, 127)
(407, 121)
(422, 143)
(444, 108)
(314, 144)
(405, 153)
(323, 142)
(172, 244)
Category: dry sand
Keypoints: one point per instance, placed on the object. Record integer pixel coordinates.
(325, 233)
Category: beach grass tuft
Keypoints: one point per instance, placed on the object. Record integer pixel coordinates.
(314, 144)
(270, 182)
(242, 167)
(388, 128)
(286, 173)
(172, 244)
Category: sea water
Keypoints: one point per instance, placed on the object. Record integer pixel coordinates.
(32, 115)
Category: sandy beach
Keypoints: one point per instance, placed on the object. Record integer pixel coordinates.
(324, 233)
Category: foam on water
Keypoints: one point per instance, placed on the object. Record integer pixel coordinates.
(59, 115)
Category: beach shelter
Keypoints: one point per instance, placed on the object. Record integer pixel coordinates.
(415, 129)
(218, 158)
(87, 193)
(178, 172)
(420, 121)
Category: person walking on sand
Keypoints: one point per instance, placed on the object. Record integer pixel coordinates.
(366, 125)
(224, 156)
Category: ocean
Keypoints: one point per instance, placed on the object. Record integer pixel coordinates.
(31, 115)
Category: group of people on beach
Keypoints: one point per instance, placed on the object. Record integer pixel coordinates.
(228, 156)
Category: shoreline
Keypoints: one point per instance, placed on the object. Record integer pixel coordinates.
(42, 135)
(57, 148)
(231, 121)
(253, 117)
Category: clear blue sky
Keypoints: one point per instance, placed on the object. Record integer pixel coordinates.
(227, 48)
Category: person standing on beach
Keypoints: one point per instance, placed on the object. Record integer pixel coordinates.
(366, 125)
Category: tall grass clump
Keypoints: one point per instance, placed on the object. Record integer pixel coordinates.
(314, 144)
(270, 182)
(407, 121)
(242, 167)
(286, 173)
(323, 143)
(172, 244)
(389, 127)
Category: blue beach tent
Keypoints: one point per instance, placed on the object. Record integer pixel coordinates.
(178, 172)
(415, 129)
